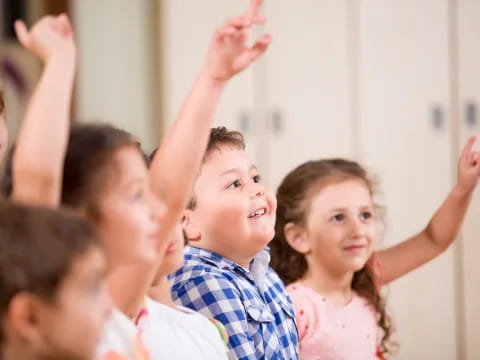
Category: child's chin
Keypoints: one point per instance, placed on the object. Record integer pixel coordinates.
(357, 265)
(148, 255)
(264, 237)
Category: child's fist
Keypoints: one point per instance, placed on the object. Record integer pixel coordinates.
(49, 35)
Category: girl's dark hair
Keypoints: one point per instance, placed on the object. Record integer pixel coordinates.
(293, 197)
(37, 249)
(90, 153)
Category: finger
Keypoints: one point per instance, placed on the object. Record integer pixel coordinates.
(239, 22)
(252, 10)
(66, 26)
(56, 25)
(255, 52)
(260, 46)
(467, 150)
(22, 33)
(258, 20)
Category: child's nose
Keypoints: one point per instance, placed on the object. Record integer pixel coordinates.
(357, 228)
(256, 190)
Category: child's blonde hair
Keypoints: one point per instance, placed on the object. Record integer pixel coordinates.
(294, 196)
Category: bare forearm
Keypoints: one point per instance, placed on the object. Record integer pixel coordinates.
(38, 162)
(445, 224)
(178, 160)
(443, 227)
(429, 243)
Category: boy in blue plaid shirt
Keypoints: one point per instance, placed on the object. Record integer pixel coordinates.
(226, 275)
(229, 222)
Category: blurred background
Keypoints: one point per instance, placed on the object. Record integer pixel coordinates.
(394, 84)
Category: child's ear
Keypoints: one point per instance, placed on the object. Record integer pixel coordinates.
(23, 318)
(191, 231)
(297, 238)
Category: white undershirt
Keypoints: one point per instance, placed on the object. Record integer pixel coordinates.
(180, 334)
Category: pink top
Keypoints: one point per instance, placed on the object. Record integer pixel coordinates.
(330, 332)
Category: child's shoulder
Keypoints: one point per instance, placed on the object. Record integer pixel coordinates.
(309, 308)
(297, 288)
(201, 270)
(121, 339)
(196, 258)
(301, 295)
(201, 263)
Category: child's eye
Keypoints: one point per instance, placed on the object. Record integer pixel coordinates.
(234, 184)
(338, 217)
(366, 215)
(257, 178)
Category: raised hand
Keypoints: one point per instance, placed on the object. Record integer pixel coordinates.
(50, 35)
(229, 53)
(469, 167)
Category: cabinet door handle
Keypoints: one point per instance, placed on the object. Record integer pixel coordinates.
(276, 121)
(244, 121)
(471, 116)
(437, 118)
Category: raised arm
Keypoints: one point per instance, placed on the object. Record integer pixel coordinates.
(177, 161)
(443, 227)
(39, 156)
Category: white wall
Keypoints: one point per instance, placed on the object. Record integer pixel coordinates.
(114, 79)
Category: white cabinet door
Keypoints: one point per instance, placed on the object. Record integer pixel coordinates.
(187, 28)
(307, 86)
(113, 65)
(406, 139)
(469, 112)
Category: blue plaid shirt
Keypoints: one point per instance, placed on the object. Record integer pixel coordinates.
(253, 305)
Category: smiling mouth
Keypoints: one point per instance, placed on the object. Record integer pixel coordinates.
(354, 247)
(257, 213)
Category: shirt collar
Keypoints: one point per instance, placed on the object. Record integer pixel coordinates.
(258, 266)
